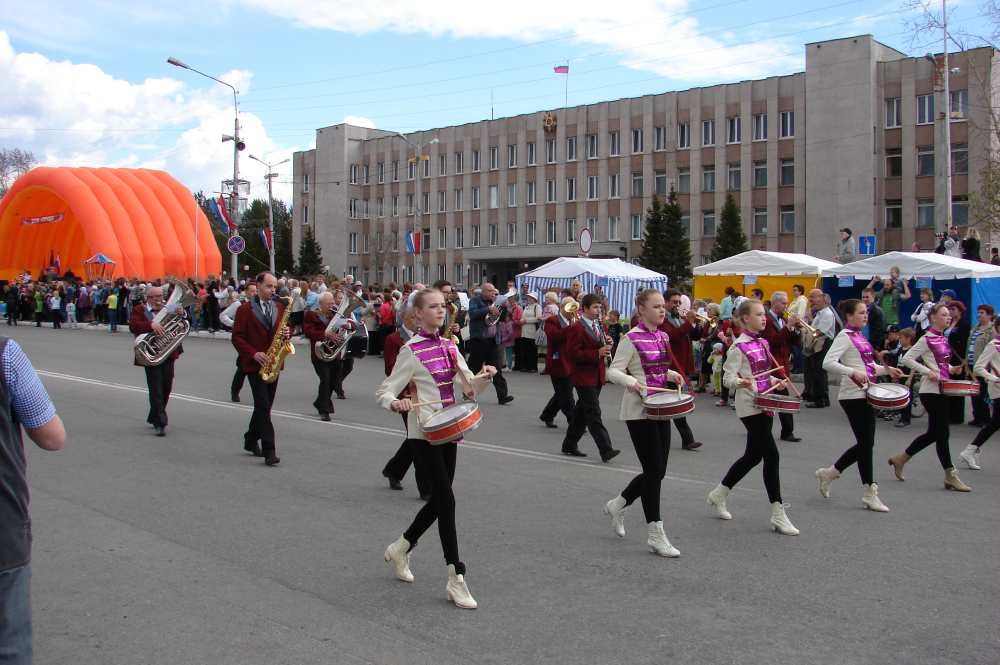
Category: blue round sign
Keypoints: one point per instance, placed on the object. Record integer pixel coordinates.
(236, 244)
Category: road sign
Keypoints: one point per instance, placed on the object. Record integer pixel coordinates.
(866, 245)
(236, 244)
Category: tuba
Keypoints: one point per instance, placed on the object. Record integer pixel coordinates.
(280, 347)
(151, 349)
(325, 349)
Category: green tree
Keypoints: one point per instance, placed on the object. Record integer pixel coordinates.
(283, 258)
(675, 261)
(654, 241)
(310, 254)
(729, 237)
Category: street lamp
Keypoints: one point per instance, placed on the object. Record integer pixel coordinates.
(942, 127)
(238, 145)
(270, 200)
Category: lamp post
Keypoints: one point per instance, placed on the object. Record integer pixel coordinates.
(238, 145)
(419, 157)
(270, 200)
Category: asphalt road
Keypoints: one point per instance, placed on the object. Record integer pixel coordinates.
(186, 550)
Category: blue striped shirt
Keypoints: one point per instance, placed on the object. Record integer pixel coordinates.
(29, 399)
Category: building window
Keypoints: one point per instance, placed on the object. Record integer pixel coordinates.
(637, 183)
(353, 174)
(571, 189)
(550, 151)
(708, 132)
(395, 205)
(660, 183)
(531, 153)
(959, 104)
(352, 243)
(380, 202)
(893, 163)
(459, 276)
(409, 204)
(494, 193)
(570, 148)
(925, 109)
(494, 158)
(787, 219)
(442, 237)
(733, 130)
(760, 174)
(734, 177)
(511, 234)
(395, 170)
(613, 232)
(708, 179)
(305, 214)
(425, 203)
(475, 235)
(365, 173)
(760, 127)
(570, 230)
(411, 169)
(787, 172)
(475, 198)
(550, 232)
(380, 172)
(458, 199)
(708, 223)
(366, 241)
(494, 235)
(686, 225)
(893, 214)
(593, 187)
(511, 156)
(636, 141)
(659, 138)
(512, 195)
(925, 213)
(592, 146)
(592, 227)
(787, 124)
(550, 191)
(636, 227)
(442, 201)
(531, 193)
(442, 164)
(960, 211)
(427, 165)
(959, 159)
(615, 144)
(353, 209)
(459, 237)
(614, 186)
(305, 182)
(459, 162)
(683, 135)
(475, 160)
(529, 233)
(442, 271)
(925, 160)
(893, 112)
(684, 181)
(760, 221)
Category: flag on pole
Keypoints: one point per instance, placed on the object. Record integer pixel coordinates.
(561, 69)
(265, 237)
(58, 265)
(217, 217)
(230, 226)
(412, 241)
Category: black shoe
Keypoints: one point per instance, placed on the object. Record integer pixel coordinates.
(548, 423)
(341, 395)
(159, 431)
(271, 460)
(973, 423)
(253, 448)
(394, 483)
(694, 445)
(576, 452)
(610, 455)
(790, 437)
(425, 497)
(234, 397)
(816, 405)
(325, 417)
(506, 400)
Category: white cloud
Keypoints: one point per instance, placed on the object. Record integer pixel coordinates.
(359, 121)
(653, 35)
(76, 114)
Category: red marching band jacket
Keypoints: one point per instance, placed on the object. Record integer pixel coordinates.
(587, 368)
(780, 341)
(250, 336)
(139, 324)
(314, 329)
(555, 360)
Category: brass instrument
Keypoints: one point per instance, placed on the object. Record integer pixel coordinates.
(491, 320)
(710, 321)
(279, 349)
(151, 349)
(801, 322)
(571, 308)
(450, 321)
(325, 349)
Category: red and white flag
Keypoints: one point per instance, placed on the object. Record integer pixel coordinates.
(265, 237)
(561, 69)
(224, 209)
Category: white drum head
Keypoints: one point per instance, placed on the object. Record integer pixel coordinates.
(448, 415)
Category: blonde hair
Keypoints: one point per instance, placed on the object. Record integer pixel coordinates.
(746, 307)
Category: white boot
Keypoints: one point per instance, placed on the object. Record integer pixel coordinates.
(615, 509)
(871, 500)
(780, 521)
(826, 475)
(458, 593)
(658, 543)
(971, 457)
(717, 498)
(398, 553)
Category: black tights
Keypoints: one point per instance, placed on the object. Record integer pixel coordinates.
(439, 465)
(651, 439)
(938, 417)
(760, 448)
(989, 428)
(862, 418)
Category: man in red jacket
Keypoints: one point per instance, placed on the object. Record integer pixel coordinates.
(682, 331)
(586, 350)
(159, 379)
(781, 337)
(254, 328)
(557, 366)
(314, 327)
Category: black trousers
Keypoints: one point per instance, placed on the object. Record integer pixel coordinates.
(651, 439)
(990, 428)
(786, 419)
(341, 369)
(261, 429)
(587, 416)
(327, 373)
(159, 381)
(956, 409)
(12, 315)
(938, 430)
(399, 464)
(816, 380)
(525, 355)
(980, 409)
(561, 400)
(861, 416)
(485, 352)
(439, 461)
(760, 448)
(238, 378)
(687, 436)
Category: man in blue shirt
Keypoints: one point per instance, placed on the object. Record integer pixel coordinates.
(25, 403)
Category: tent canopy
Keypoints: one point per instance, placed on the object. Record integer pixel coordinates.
(572, 267)
(910, 264)
(619, 280)
(758, 262)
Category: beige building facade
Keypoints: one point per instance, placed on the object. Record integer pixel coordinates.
(848, 142)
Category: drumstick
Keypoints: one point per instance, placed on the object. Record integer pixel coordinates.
(788, 378)
(769, 389)
(765, 373)
(659, 390)
(430, 402)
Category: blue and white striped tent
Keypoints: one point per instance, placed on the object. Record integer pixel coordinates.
(619, 280)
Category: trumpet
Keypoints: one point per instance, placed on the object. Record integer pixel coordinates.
(801, 322)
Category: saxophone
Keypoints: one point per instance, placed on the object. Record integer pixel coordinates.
(280, 347)
(151, 349)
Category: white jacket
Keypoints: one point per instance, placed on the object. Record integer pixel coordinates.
(626, 370)
(921, 359)
(736, 367)
(986, 368)
(844, 358)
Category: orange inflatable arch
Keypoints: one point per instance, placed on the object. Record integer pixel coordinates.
(144, 220)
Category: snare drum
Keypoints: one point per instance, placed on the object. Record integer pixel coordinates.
(957, 388)
(665, 406)
(888, 396)
(450, 423)
(779, 403)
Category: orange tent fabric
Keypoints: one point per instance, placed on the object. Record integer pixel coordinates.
(144, 220)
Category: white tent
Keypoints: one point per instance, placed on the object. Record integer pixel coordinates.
(618, 279)
(758, 262)
(912, 264)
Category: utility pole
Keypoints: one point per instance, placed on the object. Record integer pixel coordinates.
(270, 202)
(942, 148)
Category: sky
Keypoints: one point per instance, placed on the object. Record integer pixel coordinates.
(86, 83)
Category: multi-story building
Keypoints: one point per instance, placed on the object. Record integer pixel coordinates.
(848, 142)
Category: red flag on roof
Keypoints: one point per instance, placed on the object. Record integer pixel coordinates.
(561, 69)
